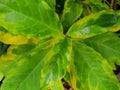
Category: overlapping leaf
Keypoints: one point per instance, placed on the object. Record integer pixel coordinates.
(29, 18)
(108, 45)
(57, 64)
(96, 57)
(20, 70)
(1, 76)
(97, 5)
(85, 60)
(40, 67)
(91, 70)
(52, 3)
(94, 6)
(92, 65)
(93, 24)
(116, 27)
(72, 11)
(13, 52)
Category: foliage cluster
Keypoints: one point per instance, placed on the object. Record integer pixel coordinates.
(44, 41)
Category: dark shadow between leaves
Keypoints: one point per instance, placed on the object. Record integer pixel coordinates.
(118, 33)
(3, 48)
(2, 80)
(117, 71)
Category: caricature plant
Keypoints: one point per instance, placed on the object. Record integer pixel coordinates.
(45, 41)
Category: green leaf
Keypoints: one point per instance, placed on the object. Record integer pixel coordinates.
(93, 24)
(108, 45)
(94, 6)
(51, 3)
(21, 49)
(58, 63)
(57, 84)
(4, 48)
(26, 68)
(40, 67)
(40, 56)
(116, 27)
(95, 2)
(6, 60)
(29, 18)
(1, 76)
(13, 52)
(72, 11)
(92, 71)
(98, 5)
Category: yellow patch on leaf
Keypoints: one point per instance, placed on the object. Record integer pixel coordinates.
(34, 40)
(115, 29)
(10, 39)
(1, 76)
(9, 55)
(73, 81)
(55, 85)
(7, 38)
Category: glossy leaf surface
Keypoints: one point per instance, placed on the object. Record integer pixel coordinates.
(83, 26)
(92, 72)
(29, 18)
(33, 67)
(38, 51)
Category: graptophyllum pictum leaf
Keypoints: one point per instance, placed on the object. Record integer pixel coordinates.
(92, 71)
(40, 67)
(29, 18)
(89, 24)
(116, 27)
(40, 55)
(97, 5)
(107, 45)
(72, 11)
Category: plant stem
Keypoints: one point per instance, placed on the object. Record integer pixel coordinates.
(113, 4)
(105, 1)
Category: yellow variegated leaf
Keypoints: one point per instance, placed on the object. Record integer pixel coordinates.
(37, 54)
(8, 38)
(116, 27)
(9, 55)
(1, 76)
(11, 39)
(56, 84)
